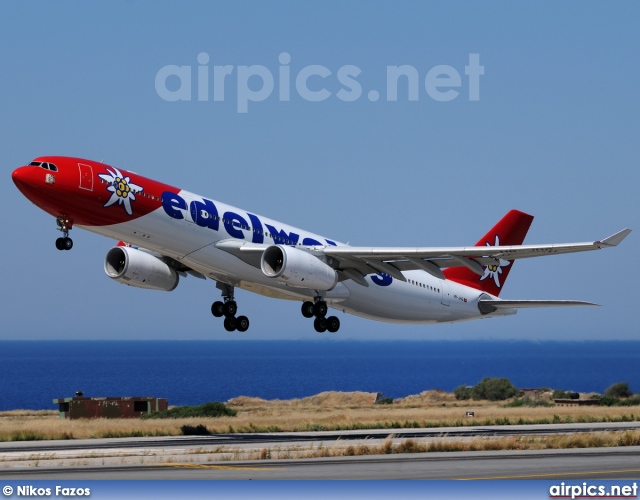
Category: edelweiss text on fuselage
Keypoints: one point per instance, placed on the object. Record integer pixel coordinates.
(205, 214)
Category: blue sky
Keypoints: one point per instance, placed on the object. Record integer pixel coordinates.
(554, 132)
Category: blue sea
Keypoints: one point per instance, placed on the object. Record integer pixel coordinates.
(33, 373)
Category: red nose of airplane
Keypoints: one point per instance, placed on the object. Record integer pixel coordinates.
(31, 183)
(20, 177)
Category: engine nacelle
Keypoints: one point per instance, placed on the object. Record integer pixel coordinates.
(134, 267)
(295, 267)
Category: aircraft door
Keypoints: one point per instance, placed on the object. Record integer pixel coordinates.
(444, 289)
(86, 176)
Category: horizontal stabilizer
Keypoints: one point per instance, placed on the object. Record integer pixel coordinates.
(487, 306)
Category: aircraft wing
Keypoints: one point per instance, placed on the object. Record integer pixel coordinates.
(357, 262)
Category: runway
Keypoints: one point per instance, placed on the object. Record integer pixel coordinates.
(600, 463)
(283, 438)
(213, 457)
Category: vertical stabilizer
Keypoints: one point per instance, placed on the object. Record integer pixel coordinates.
(510, 230)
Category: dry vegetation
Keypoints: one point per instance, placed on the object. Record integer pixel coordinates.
(325, 411)
(518, 443)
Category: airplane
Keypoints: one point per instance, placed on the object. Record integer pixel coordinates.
(165, 233)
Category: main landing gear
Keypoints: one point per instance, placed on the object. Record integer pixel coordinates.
(319, 310)
(64, 225)
(228, 309)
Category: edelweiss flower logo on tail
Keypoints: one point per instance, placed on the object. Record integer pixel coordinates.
(124, 191)
(495, 270)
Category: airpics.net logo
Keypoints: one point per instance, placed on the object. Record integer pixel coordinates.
(313, 83)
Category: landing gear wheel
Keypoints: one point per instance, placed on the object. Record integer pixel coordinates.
(308, 309)
(230, 308)
(333, 324)
(320, 324)
(64, 224)
(217, 309)
(242, 323)
(230, 324)
(64, 243)
(320, 309)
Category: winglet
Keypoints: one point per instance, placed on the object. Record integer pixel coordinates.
(614, 239)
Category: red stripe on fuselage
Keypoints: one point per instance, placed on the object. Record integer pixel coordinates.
(78, 192)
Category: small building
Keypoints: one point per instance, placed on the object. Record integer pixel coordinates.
(108, 407)
(540, 394)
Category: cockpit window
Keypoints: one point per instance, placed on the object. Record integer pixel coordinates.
(44, 164)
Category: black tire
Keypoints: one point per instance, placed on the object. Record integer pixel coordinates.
(333, 324)
(68, 243)
(230, 324)
(230, 308)
(320, 324)
(320, 309)
(217, 309)
(308, 309)
(242, 323)
(60, 243)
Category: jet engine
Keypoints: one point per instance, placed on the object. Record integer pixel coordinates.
(134, 267)
(295, 267)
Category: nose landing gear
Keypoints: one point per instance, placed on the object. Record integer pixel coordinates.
(64, 225)
(228, 309)
(319, 309)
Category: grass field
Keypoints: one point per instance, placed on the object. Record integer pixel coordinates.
(325, 411)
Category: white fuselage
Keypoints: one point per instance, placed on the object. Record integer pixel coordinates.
(172, 231)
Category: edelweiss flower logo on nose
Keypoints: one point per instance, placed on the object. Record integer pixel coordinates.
(124, 191)
(495, 270)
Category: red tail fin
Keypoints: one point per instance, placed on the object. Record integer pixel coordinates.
(511, 230)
